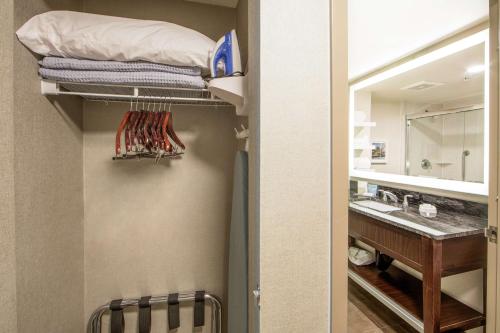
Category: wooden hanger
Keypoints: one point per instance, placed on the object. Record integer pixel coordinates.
(133, 131)
(139, 133)
(154, 130)
(122, 125)
(168, 146)
(148, 142)
(171, 132)
(159, 131)
(129, 134)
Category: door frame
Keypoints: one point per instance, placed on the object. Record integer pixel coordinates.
(492, 279)
(339, 166)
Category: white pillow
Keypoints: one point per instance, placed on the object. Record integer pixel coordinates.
(99, 37)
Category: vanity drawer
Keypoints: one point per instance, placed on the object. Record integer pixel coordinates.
(400, 244)
(464, 254)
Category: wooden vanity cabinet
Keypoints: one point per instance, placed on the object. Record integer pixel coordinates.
(434, 258)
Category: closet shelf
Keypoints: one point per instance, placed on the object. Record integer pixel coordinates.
(120, 93)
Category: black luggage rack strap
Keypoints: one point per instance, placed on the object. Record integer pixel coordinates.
(94, 323)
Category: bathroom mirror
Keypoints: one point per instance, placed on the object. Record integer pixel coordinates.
(424, 122)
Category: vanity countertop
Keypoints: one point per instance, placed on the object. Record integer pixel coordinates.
(445, 225)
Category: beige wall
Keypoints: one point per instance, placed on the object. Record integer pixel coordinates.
(48, 194)
(294, 166)
(8, 319)
(155, 229)
(213, 21)
(242, 30)
(362, 104)
(391, 129)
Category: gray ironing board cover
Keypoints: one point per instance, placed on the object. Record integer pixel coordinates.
(238, 248)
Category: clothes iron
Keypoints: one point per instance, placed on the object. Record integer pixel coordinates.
(226, 51)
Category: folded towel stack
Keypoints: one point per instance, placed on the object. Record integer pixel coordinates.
(139, 73)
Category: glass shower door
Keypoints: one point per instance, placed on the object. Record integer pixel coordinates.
(424, 137)
(446, 146)
(473, 153)
(452, 146)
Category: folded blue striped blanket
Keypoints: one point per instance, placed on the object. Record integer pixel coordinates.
(124, 78)
(115, 66)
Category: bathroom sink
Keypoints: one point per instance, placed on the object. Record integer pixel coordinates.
(378, 206)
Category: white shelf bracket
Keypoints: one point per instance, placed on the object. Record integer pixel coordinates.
(49, 88)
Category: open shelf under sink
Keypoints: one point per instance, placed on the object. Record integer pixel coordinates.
(402, 293)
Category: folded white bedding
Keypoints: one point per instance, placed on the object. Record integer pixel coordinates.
(98, 37)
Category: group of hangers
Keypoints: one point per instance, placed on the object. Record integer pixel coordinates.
(148, 132)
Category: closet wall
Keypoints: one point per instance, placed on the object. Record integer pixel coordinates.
(153, 229)
(48, 182)
(8, 319)
(242, 21)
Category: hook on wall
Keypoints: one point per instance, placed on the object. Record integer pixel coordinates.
(243, 135)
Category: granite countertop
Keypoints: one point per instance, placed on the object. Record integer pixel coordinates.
(447, 224)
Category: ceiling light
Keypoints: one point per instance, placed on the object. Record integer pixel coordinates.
(475, 69)
(422, 85)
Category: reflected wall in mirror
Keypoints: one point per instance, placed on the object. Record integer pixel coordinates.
(425, 118)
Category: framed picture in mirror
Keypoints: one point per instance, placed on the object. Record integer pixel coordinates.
(379, 152)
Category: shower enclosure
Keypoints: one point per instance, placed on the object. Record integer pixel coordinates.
(446, 145)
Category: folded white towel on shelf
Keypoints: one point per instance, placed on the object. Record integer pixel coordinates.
(360, 257)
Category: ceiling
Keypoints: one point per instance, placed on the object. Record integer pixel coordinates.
(224, 3)
(449, 71)
(383, 31)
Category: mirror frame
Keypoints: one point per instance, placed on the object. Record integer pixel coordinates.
(423, 182)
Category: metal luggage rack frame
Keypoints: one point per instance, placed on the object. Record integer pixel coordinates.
(94, 323)
(124, 93)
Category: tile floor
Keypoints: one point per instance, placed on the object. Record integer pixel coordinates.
(367, 315)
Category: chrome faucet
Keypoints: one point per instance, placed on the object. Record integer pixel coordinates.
(390, 195)
(405, 202)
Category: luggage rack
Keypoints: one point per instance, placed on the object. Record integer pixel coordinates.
(123, 93)
(94, 323)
